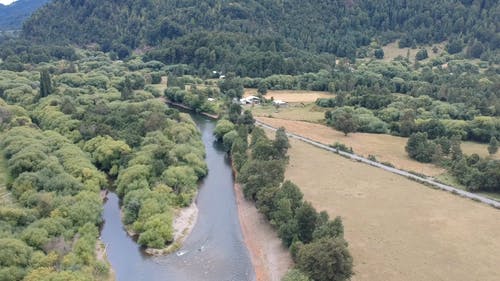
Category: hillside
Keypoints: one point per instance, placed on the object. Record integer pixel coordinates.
(260, 37)
(12, 16)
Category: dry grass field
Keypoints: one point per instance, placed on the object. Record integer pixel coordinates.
(385, 148)
(291, 96)
(398, 229)
(309, 112)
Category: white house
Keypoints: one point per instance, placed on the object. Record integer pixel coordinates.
(250, 100)
(280, 103)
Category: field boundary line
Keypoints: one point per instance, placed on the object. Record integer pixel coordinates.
(393, 170)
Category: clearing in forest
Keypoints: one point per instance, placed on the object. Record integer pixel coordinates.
(291, 96)
(392, 51)
(398, 229)
(309, 112)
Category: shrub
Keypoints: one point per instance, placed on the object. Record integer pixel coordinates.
(342, 147)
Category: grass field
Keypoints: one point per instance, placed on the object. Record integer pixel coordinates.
(291, 96)
(385, 148)
(398, 229)
(391, 51)
(309, 112)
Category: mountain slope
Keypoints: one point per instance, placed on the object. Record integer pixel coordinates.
(309, 24)
(281, 36)
(12, 16)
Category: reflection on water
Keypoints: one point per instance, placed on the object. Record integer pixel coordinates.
(215, 248)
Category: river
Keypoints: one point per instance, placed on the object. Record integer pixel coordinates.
(213, 251)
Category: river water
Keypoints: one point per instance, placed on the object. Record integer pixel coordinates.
(213, 251)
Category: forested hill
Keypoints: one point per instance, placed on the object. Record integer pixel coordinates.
(13, 15)
(265, 32)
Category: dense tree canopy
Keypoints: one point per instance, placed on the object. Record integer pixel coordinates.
(263, 37)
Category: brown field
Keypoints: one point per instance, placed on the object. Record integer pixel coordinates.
(294, 111)
(398, 229)
(291, 96)
(385, 148)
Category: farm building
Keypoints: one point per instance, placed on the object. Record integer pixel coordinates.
(280, 103)
(250, 100)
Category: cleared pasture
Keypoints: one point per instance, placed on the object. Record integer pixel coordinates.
(309, 112)
(398, 229)
(392, 51)
(385, 148)
(291, 96)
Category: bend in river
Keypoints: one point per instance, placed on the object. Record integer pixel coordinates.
(213, 251)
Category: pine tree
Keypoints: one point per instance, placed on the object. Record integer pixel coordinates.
(456, 150)
(126, 91)
(493, 146)
(45, 83)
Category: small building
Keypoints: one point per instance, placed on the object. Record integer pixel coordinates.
(280, 103)
(250, 100)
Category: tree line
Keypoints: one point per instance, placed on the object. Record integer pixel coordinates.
(264, 37)
(315, 241)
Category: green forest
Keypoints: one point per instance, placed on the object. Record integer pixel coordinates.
(72, 129)
(82, 110)
(259, 38)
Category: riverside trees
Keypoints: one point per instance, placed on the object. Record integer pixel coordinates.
(62, 149)
(299, 225)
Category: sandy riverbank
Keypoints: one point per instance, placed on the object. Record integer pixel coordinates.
(183, 224)
(101, 255)
(270, 259)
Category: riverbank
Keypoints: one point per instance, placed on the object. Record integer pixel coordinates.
(183, 224)
(102, 256)
(270, 259)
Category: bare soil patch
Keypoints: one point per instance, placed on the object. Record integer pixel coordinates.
(270, 259)
(291, 96)
(398, 229)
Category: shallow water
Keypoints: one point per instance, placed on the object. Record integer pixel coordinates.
(213, 251)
